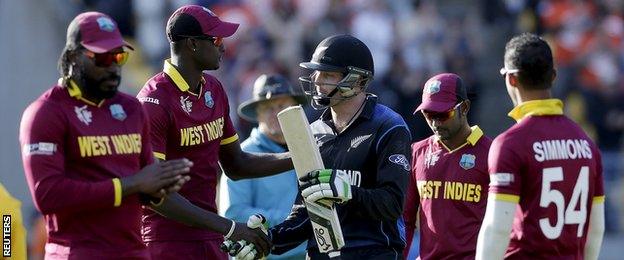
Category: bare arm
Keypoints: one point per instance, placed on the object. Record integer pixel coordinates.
(178, 208)
(494, 234)
(595, 231)
(240, 165)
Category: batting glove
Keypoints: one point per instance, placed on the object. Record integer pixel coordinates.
(326, 184)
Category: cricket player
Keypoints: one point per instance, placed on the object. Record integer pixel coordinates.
(189, 117)
(364, 145)
(546, 181)
(86, 151)
(449, 177)
(272, 196)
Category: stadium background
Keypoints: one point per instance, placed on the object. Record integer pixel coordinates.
(410, 41)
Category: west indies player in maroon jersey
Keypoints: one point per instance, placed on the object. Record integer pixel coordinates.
(449, 176)
(86, 151)
(546, 173)
(189, 116)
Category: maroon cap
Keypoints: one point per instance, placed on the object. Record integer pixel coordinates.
(195, 20)
(96, 32)
(442, 92)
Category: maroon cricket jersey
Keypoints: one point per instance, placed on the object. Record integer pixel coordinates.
(451, 189)
(191, 126)
(548, 165)
(73, 152)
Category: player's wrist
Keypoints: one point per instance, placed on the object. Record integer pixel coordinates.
(227, 235)
(129, 185)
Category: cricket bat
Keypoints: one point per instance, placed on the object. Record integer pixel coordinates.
(306, 158)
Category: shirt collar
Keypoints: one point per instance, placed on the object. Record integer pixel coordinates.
(74, 91)
(177, 78)
(541, 107)
(472, 139)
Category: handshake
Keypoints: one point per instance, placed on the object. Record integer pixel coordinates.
(324, 186)
(243, 249)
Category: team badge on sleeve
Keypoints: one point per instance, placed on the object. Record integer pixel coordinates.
(467, 161)
(42, 148)
(208, 101)
(400, 160)
(118, 112)
(501, 179)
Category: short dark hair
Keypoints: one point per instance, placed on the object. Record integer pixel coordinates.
(532, 57)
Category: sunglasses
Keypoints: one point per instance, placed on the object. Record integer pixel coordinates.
(504, 71)
(217, 41)
(441, 116)
(106, 59)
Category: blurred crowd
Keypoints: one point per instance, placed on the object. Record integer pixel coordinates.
(411, 40)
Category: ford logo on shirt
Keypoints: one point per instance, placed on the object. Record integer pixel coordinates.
(400, 160)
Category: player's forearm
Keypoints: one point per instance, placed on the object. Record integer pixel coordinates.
(180, 209)
(254, 165)
(492, 243)
(292, 232)
(595, 231)
(494, 234)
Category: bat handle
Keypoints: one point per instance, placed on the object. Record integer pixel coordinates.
(334, 255)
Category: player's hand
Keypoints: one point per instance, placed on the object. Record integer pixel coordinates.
(173, 188)
(326, 184)
(158, 179)
(244, 250)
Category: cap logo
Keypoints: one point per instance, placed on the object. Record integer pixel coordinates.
(208, 11)
(433, 87)
(106, 24)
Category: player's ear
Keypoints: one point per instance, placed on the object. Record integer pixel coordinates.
(513, 79)
(554, 75)
(465, 107)
(191, 44)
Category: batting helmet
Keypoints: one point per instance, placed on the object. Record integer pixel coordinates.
(339, 53)
(267, 87)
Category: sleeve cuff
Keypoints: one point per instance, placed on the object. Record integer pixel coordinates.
(506, 197)
(229, 140)
(599, 199)
(160, 156)
(117, 190)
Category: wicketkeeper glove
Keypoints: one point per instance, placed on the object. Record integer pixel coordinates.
(243, 250)
(326, 184)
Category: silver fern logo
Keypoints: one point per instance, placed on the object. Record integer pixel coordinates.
(358, 141)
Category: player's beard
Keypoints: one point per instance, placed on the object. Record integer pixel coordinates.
(103, 88)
